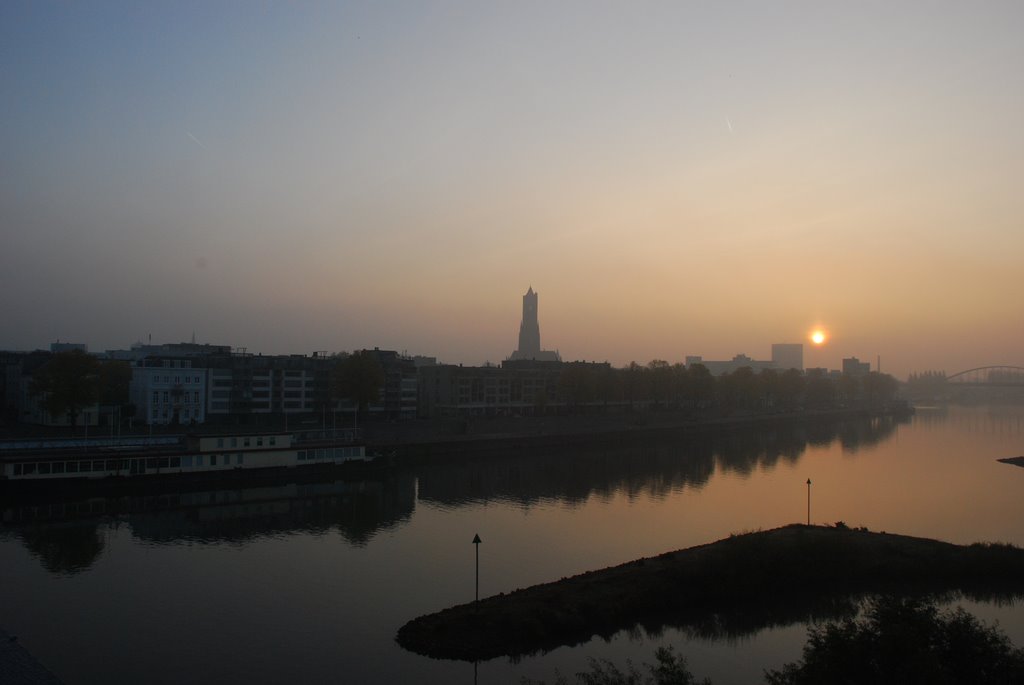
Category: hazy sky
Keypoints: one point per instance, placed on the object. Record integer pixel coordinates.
(673, 178)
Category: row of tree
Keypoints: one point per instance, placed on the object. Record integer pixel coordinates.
(675, 386)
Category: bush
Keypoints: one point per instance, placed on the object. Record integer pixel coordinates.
(905, 640)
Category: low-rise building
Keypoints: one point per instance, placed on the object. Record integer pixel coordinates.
(169, 391)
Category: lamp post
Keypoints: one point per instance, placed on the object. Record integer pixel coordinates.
(808, 501)
(476, 544)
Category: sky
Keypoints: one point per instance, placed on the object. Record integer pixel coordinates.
(673, 179)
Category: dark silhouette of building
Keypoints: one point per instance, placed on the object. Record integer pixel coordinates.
(855, 367)
(529, 329)
(529, 333)
(787, 356)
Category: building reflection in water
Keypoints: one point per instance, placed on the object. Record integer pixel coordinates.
(66, 533)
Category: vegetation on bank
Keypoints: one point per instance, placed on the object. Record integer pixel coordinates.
(731, 587)
(895, 640)
(661, 385)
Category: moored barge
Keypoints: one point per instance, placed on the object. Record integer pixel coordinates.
(181, 456)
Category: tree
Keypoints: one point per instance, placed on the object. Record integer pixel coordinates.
(359, 377)
(659, 374)
(880, 388)
(67, 383)
(702, 385)
(791, 389)
(897, 640)
(113, 382)
(905, 640)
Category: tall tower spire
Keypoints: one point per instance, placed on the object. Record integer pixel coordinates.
(529, 329)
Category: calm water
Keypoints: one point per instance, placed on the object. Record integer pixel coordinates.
(310, 582)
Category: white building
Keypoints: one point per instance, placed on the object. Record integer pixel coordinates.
(168, 390)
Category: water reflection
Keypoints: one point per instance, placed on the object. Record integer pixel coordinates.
(64, 550)
(63, 532)
(652, 468)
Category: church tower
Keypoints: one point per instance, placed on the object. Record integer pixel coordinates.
(529, 329)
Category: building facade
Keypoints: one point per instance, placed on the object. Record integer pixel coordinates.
(168, 391)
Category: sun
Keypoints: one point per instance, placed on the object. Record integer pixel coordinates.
(818, 336)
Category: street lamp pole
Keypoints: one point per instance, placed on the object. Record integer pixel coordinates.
(808, 501)
(476, 543)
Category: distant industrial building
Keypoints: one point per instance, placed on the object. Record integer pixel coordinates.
(68, 347)
(529, 334)
(787, 356)
(720, 368)
(855, 367)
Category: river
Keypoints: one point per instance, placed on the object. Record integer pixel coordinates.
(310, 582)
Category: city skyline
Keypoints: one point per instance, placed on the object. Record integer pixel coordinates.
(678, 180)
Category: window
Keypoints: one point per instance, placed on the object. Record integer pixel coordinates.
(17, 469)
(273, 440)
(234, 442)
(164, 462)
(213, 460)
(220, 442)
(197, 379)
(199, 460)
(186, 462)
(238, 458)
(72, 467)
(156, 396)
(167, 396)
(58, 467)
(152, 463)
(97, 466)
(259, 441)
(302, 455)
(175, 462)
(30, 469)
(44, 468)
(245, 442)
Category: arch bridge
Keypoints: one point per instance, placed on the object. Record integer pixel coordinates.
(989, 377)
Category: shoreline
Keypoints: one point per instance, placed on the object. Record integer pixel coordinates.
(564, 430)
(734, 586)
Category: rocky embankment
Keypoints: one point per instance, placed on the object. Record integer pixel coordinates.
(733, 586)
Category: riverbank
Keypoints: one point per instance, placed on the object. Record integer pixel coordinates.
(736, 585)
(425, 437)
